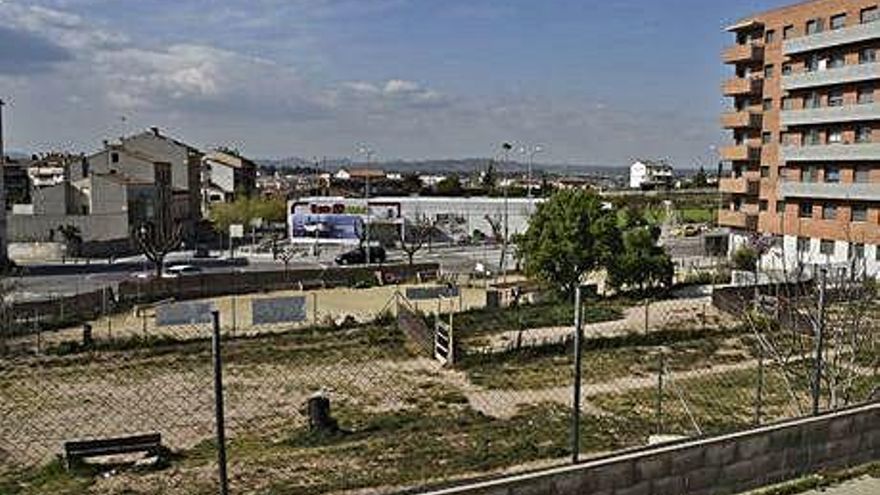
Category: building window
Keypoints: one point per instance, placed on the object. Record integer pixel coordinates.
(811, 138)
(768, 104)
(829, 212)
(812, 100)
(114, 157)
(870, 14)
(862, 174)
(867, 55)
(763, 205)
(786, 69)
(812, 63)
(810, 174)
(768, 72)
(787, 32)
(835, 136)
(787, 103)
(859, 213)
(826, 247)
(766, 137)
(814, 26)
(838, 21)
(835, 98)
(832, 173)
(865, 96)
(803, 244)
(780, 207)
(856, 251)
(864, 134)
(836, 61)
(765, 172)
(770, 36)
(805, 210)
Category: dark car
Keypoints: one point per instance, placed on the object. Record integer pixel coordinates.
(359, 256)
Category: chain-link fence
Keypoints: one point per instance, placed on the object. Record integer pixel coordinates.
(328, 391)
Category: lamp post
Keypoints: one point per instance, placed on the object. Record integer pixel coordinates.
(368, 152)
(530, 152)
(2, 190)
(505, 157)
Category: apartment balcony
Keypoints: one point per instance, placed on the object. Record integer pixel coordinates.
(745, 119)
(830, 190)
(830, 115)
(847, 74)
(743, 53)
(828, 39)
(832, 153)
(749, 184)
(741, 152)
(737, 219)
(742, 86)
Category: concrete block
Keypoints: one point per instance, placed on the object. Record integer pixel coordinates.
(738, 471)
(641, 488)
(671, 485)
(652, 468)
(752, 447)
(688, 460)
(703, 478)
(720, 454)
(785, 438)
(612, 476)
(840, 427)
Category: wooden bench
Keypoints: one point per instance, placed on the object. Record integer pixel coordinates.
(77, 451)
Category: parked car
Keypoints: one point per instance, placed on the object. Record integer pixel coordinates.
(177, 271)
(359, 256)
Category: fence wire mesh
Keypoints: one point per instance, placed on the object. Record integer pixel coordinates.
(336, 390)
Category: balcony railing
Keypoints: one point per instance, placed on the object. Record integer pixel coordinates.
(744, 119)
(839, 37)
(827, 115)
(832, 152)
(737, 219)
(750, 52)
(842, 75)
(742, 86)
(858, 191)
(747, 185)
(741, 152)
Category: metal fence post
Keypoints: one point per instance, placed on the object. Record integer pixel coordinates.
(660, 372)
(220, 423)
(576, 402)
(820, 342)
(759, 395)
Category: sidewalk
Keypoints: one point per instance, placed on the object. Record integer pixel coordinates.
(861, 486)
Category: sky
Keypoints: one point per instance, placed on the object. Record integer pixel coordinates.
(592, 82)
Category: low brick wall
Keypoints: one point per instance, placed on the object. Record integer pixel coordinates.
(724, 465)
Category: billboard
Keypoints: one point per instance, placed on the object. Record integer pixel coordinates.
(337, 220)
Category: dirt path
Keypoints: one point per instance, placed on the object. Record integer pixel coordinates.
(683, 313)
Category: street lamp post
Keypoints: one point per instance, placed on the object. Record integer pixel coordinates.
(2, 190)
(368, 152)
(505, 157)
(531, 152)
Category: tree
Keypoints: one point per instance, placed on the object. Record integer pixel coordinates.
(156, 241)
(641, 263)
(244, 210)
(413, 237)
(745, 258)
(450, 186)
(490, 177)
(569, 236)
(72, 239)
(700, 179)
(412, 184)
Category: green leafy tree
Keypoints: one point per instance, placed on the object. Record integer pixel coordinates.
(745, 258)
(245, 209)
(569, 236)
(641, 263)
(450, 186)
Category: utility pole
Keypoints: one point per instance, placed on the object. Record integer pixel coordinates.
(3, 253)
(506, 147)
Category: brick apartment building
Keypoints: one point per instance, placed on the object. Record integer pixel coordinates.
(805, 119)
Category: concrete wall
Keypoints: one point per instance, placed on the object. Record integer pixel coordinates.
(36, 228)
(724, 465)
(472, 210)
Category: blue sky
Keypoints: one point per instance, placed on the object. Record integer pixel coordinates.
(595, 82)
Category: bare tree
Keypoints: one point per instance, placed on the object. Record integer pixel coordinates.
(156, 242)
(413, 238)
(819, 328)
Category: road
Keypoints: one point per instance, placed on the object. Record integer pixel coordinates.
(56, 280)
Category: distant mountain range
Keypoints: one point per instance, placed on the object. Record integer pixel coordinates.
(452, 165)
